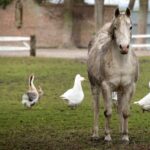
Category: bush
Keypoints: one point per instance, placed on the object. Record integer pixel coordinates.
(4, 3)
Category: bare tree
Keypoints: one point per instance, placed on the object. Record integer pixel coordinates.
(131, 4)
(99, 13)
(142, 19)
(68, 24)
(18, 14)
(79, 1)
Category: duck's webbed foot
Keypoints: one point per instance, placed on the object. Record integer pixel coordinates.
(73, 107)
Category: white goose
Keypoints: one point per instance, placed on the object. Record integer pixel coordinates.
(32, 96)
(144, 103)
(75, 95)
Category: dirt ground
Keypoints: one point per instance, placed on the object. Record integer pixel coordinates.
(61, 53)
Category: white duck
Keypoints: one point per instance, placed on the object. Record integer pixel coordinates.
(144, 103)
(32, 96)
(75, 95)
(115, 98)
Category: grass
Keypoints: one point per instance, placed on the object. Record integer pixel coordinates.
(51, 125)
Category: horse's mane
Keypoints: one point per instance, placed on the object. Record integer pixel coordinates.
(102, 38)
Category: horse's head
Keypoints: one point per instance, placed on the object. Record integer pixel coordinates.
(121, 28)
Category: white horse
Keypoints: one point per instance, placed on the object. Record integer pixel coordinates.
(113, 66)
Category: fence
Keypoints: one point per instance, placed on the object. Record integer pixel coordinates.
(146, 36)
(28, 44)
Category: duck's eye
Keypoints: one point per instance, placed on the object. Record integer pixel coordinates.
(131, 28)
(115, 28)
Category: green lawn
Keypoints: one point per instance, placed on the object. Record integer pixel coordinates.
(51, 125)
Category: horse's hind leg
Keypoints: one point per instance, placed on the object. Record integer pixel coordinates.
(95, 93)
(108, 109)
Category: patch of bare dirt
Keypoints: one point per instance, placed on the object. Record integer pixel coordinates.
(62, 53)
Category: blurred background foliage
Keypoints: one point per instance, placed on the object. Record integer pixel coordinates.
(4, 3)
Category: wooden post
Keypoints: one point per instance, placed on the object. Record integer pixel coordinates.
(32, 45)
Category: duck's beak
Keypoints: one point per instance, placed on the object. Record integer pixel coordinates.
(83, 79)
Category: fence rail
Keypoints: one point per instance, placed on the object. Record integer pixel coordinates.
(28, 43)
(14, 38)
(137, 36)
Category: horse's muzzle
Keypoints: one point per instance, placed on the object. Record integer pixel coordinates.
(124, 52)
(124, 49)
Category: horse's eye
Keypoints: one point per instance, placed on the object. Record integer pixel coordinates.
(115, 28)
(131, 28)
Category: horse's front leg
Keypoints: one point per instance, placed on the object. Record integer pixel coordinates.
(95, 93)
(124, 110)
(107, 94)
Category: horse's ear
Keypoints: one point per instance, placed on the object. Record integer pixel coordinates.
(128, 13)
(117, 12)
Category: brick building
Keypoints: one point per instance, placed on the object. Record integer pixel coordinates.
(46, 22)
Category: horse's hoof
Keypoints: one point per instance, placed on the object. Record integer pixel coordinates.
(107, 138)
(95, 138)
(125, 139)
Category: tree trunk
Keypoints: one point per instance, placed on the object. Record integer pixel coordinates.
(19, 14)
(142, 19)
(68, 24)
(99, 13)
(131, 4)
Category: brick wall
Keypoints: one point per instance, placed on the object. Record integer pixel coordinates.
(46, 22)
